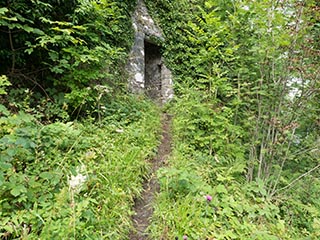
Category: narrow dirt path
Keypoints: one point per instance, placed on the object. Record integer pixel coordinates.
(143, 206)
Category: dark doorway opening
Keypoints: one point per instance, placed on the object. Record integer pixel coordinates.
(153, 66)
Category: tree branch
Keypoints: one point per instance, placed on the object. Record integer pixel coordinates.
(297, 179)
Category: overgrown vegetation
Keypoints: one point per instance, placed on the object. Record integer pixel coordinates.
(64, 54)
(73, 145)
(245, 163)
(247, 76)
(74, 180)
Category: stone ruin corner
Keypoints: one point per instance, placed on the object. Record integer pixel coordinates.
(146, 68)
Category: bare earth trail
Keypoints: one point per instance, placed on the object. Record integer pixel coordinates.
(143, 206)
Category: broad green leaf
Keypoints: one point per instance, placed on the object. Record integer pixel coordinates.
(3, 10)
(17, 190)
(46, 175)
(221, 189)
(38, 31)
(29, 50)
(4, 111)
(10, 19)
(5, 166)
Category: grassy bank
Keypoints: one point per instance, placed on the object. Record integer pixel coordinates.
(205, 195)
(75, 180)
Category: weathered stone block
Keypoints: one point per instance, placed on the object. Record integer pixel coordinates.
(147, 71)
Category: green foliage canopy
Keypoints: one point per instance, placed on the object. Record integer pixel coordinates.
(67, 46)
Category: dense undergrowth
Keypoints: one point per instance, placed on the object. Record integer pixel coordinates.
(72, 144)
(205, 196)
(75, 180)
(64, 55)
(245, 163)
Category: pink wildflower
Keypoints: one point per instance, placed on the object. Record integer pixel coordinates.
(209, 198)
(185, 237)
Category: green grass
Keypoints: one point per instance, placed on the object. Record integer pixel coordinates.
(238, 209)
(40, 198)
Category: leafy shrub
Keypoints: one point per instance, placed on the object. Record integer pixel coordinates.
(237, 125)
(66, 46)
(74, 180)
(3, 83)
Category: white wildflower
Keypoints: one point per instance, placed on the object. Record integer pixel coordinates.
(295, 87)
(245, 7)
(75, 182)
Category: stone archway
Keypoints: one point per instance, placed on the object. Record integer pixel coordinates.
(147, 71)
(152, 70)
